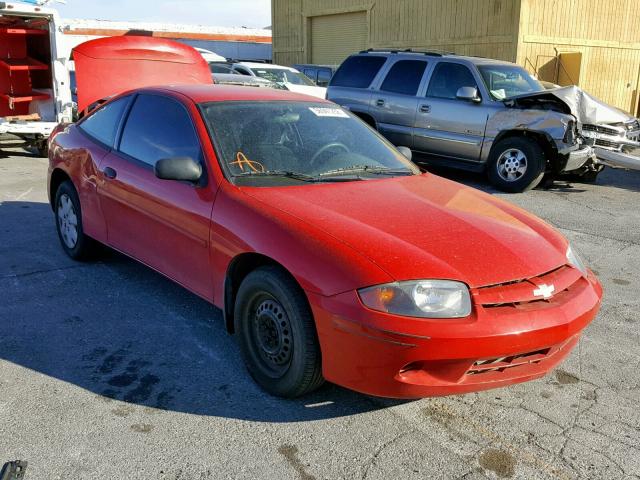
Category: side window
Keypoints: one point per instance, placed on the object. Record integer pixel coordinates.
(324, 76)
(310, 73)
(447, 80)
(404, 77)
(159, 127)
(103, 123)
(358, 71)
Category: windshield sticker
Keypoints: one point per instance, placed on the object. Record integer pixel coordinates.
(242, 161)
(329, 112)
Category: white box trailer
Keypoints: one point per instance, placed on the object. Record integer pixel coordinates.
(35, 94)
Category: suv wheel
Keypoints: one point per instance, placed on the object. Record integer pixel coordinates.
(516, 164)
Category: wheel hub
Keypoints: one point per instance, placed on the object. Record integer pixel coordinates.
(512, 165)
(67, 221)
(273, 332)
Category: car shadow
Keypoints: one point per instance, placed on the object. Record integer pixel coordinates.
(613, 177)
(124, 332)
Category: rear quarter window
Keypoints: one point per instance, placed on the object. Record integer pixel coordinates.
(358, 71)
(103, 123)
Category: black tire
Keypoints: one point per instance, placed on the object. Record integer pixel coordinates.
(83, 247)
(508, 155)
(277, 334)
(43, 149)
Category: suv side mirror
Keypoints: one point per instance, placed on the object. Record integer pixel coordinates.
(178, 168)
(469, 94)
(406, 151)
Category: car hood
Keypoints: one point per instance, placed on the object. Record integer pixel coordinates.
(319, 92)
(586, 108)
(426, 227)
(108, 66)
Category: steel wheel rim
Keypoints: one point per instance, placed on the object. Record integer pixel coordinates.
(272, 336)
(67, 221)
(512, 165)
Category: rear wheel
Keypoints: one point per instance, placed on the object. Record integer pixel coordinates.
(277, 334)
(516, 164)
(74, 241)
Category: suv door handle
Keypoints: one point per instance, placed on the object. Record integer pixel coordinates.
(380, 102)
(425, 108)
(110, 173)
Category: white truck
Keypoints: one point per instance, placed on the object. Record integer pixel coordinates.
(35, 94)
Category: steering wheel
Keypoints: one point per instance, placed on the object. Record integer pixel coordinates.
(326, 147)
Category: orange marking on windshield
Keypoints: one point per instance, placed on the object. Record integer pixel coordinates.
(252, 165)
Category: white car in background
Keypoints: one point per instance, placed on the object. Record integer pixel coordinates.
(288, 77)
(210, 56)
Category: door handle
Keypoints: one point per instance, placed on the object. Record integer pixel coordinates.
(380, 102)
(110, 173)
(425, 108)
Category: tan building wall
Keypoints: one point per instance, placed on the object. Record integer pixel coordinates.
(472, 27)
(592, 43)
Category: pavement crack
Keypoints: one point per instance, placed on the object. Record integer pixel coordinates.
(40, 272)
(379, 450)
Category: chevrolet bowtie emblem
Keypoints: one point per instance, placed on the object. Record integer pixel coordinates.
(544, 291)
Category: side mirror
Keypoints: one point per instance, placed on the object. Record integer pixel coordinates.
(178, 168)
(469, 94)
(406, 151)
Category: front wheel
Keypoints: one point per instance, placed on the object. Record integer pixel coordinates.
(74, 241)
(277, 334)
(516, 164)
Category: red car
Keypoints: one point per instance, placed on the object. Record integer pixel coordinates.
(331, 255)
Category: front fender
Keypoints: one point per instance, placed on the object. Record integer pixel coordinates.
(320, 263)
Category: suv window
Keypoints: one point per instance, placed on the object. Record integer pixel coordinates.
(447, 80)
(404, 77)
(358, 71)
(159, 127)
(103, 123)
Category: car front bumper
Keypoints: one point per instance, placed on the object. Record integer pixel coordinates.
(399, 357)
(579, 158)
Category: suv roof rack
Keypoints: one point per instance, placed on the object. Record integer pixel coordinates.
(431, 53)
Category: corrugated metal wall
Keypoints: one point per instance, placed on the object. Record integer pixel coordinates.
(473, 27)
(605, 32)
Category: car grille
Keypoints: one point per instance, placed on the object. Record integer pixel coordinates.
(602, 129)
(503, 363)
(607, 143)
(528, 291)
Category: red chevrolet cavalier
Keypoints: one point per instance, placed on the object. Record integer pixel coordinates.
(331, 255)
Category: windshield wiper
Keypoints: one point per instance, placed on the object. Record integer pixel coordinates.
(295, 175)
(367, 169)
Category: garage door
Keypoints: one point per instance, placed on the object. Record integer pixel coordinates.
(335, 37)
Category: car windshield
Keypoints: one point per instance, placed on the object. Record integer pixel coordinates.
(279, 75)
(281, 143)
(505, 81)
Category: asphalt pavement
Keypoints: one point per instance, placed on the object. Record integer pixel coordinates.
(110, 371)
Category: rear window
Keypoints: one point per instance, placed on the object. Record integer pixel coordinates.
(404, 77)
(103, 124)
(358, 71)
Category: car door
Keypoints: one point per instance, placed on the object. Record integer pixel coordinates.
(446, 125)
(394, 103)
(164, 224)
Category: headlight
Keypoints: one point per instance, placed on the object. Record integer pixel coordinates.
(575, 260)
(419, 298)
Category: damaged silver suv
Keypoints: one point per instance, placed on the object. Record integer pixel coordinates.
(471, 113)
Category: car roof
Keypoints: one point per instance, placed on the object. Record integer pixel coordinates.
(220, 93)
(265, 65)
(435, 56)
